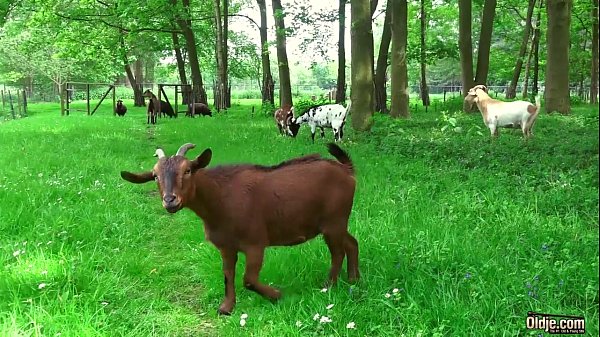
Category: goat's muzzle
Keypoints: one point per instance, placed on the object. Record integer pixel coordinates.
(171, 203)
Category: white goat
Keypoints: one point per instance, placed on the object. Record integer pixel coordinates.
(324, 116)
(497, 114)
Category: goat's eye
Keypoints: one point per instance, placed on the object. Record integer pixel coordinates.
(156, 177)
(188, 171)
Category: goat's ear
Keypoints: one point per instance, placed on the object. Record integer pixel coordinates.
(137, 178)
(202, 160)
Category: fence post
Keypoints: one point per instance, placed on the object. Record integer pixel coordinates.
(24, 103)
(12, 108)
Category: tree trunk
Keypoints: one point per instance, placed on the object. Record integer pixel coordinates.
(138, 71)
(362, 67)
(594, 74)
(149, 64)
(382, 62)
(138, 99)
(268, 87)
(557, 64)
(536, 51)
(399, 76)
(340, 93)
(221, 19)
(285, 85)
(465, 48)
(186, 99)
(423, 58)
(485, 41)
(511, 92)
(190, 42)
(527, 67)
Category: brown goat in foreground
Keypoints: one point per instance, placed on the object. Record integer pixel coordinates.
(246, 208)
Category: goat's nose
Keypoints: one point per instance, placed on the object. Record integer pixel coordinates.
(169, 198)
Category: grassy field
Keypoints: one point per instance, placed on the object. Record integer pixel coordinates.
(458, 235)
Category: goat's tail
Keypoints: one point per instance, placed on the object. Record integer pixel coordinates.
(341, 156)
(348, 108)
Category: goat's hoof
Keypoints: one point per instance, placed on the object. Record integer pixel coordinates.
(225, 310)
(275, 295)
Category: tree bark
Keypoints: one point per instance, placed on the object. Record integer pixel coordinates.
(536, 51)
(190, 42)
(185, 92)
(361, 94)
(594, 72)
(340, 93)
(557, 64)
(465, 46)
(527, 67)
(268, 88)
(511, 92)
(285, 86)
(138, 71)
(399, 78)
(382, 63)
(221, 19)
(423, 54)
(485, 41)
(138, 99)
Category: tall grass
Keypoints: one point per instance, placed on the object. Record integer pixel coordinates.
(459, 235)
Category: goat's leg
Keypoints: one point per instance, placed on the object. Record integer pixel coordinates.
(312, 132)
(335, 243)
(254, 261)
(322, 132)
(351, 250)
(229, 260)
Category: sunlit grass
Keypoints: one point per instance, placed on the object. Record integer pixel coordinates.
(458, 235)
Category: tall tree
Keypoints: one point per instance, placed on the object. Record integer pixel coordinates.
(361, 36)
(465, 46)
(536, 51)
(423, 52)
(221, 26)
(485, 41)
(181, 68)
(138, 99)
(557, 64)
(267, 87)
(511, 92)
(382, 62)
(340, 93)
(399, 76)
(285, 85)
(190, 41)
(594, 71)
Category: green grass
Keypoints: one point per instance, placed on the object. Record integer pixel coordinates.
(472, 233)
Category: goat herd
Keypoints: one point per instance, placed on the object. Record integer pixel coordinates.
(247, 208)
(160, 108)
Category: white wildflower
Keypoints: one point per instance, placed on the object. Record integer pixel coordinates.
(242, 322)
(324, 290)
(244, 316)
(298, 323)
(42, 286)
(44, 272)
(395, 290)
(325, 319)
(316, 317)
(16, 253)
(104, 303)
(329, 306)
(350, 325)
(387, 295)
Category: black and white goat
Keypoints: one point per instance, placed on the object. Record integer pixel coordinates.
(331, 116)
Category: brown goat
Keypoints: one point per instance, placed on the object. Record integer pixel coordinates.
(246, 208)
(283, 118)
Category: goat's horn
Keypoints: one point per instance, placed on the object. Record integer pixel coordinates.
(159, 153)
(184, 148)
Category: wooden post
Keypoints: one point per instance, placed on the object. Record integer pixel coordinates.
(19, 102)
(12, 108)
(24, 103)
(176, 108)
(3, 102)
(66, 93)
(114, 97)
(87, 89)
(158, 103)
